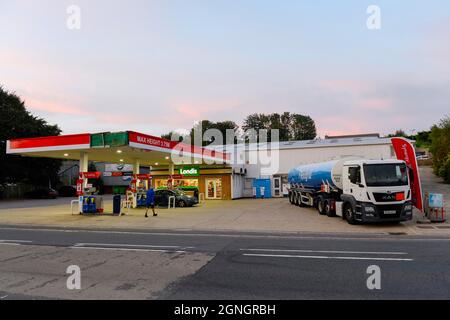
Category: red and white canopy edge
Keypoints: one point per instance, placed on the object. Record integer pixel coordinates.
(147, 149)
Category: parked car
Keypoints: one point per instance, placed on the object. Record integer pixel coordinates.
(423, 157)
(181, 199)
(67, 191)
(190, 191)
(42, 193)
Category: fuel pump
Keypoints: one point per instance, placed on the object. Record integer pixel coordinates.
(131, 193)
(88, 202)
(80, 187)
(138, 189)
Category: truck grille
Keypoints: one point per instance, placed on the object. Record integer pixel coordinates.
(390, 211)
(385, 197)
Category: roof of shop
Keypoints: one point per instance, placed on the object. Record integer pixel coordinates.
(304, 144)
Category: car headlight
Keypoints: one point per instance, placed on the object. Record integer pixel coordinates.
(408, 207)
(369, 209)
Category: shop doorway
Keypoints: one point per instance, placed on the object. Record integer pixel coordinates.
(277, 187)
(213, 188)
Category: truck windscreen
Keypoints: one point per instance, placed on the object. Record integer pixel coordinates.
(391, 174)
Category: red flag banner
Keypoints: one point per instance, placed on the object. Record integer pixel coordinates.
(404, 150)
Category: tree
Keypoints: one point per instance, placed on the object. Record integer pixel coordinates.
(291, 126)
(221, 126)
(423, 139)
(168, 136)
(17, 122)
(203, 126)
(303, 128)
(398, 133)
(440, 148)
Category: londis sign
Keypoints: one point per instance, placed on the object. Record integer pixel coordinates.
(189, 171)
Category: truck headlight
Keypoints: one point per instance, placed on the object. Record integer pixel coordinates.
(369, 209)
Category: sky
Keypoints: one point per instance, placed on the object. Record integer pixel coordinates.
(156, 66)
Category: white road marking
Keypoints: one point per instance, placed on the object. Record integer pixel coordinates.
(324, 251)
(243, 235)
(324, 257)
(126, 245)
(128, 249)
(4, 297)
(13, 242)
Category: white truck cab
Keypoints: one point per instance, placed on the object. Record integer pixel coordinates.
(375, 190)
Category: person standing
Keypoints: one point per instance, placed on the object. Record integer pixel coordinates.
(150, 201)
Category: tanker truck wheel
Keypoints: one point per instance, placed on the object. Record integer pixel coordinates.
(349, 214)
(330, 213)
(294, 198)
(300, 203)
(321, 205)
(297, 199)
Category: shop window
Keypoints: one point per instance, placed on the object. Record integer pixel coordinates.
(162, 183)
(186, 183)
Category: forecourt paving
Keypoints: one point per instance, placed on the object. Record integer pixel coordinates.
(269, 215)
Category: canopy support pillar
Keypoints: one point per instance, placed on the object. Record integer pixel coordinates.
(83, 167)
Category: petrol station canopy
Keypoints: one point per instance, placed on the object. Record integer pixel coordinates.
(114, 147)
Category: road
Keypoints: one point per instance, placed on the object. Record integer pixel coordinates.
(191, 265)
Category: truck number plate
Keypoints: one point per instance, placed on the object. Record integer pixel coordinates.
(390, 211)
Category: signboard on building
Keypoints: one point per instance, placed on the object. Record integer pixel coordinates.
(435, 200)
(142, 139)
(189, 171)
(91, 175)
(114, 167)
(142, 176)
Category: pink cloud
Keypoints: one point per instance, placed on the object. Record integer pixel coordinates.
(54, 107)
(185, 114)
(339, 125)
(119, 119)
(57, 108)
(190, 111)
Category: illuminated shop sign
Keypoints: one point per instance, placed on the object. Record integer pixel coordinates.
(190, 171)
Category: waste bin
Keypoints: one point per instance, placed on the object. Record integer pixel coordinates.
(116, 204)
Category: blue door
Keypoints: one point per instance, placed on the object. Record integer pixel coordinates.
(258, 183)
